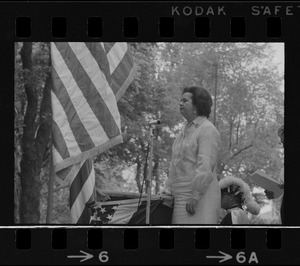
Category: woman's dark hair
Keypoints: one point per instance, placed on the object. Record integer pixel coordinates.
(201, 99)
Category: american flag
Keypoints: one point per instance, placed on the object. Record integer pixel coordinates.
(88, 80)
(113, 213)
(131, 211)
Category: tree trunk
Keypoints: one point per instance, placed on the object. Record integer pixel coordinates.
(34, 142)
(30, 198)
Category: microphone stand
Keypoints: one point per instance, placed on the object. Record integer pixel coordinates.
(149, 178)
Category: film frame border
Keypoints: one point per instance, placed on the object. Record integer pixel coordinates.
(182, 22)
(62, 245)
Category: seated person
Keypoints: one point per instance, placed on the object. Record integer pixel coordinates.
(234, 194)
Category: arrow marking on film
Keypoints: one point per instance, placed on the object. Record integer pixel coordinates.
(87, 256)
(224, 257)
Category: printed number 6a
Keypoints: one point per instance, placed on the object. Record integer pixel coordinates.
(103, 256)
(241, 258)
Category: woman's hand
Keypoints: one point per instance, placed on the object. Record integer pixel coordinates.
(191, 205)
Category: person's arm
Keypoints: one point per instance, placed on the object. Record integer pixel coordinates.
(208, 151)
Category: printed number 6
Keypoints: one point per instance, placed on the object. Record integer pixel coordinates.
(103, 256)
(240, 257)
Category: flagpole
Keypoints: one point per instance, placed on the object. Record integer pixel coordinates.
(149, 179)
(50, 188)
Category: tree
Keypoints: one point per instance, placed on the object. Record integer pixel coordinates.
(36, 132)
(247, 98)
(248, 102)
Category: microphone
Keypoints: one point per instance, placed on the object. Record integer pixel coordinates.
(154, 122)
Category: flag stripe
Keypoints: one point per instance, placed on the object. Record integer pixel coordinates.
(86, 214)
(108, 46)
(56, 155)
(74, 121)
(115, 55)
(82, 190)
(68, 174)
(85, 96)
(89, 154)
(124, 87)
(97, 98)
(80, 180)
(98, 52)
(87, 116)
(61, 119)
(62, 174)
(121, 74)
(59, 144)
(102, 44)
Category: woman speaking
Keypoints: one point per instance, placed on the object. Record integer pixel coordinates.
(192, 175)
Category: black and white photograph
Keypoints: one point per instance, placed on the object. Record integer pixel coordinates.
(149, 133)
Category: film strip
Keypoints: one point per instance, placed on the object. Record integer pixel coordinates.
(156, 245)
(161, 22)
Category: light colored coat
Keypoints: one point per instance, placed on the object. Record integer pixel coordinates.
(192, 173)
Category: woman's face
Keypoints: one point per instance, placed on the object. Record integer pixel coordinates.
(187, 109)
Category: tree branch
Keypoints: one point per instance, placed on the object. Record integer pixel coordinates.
(234, 155)
(241, 150)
